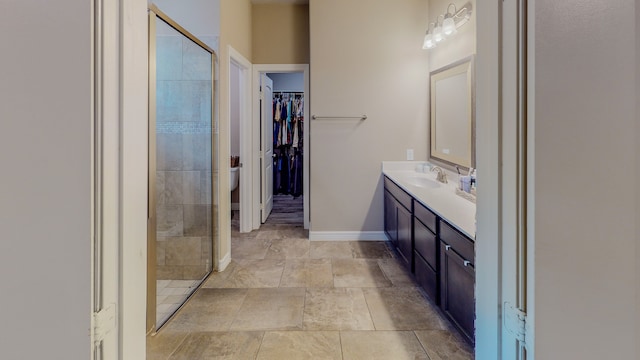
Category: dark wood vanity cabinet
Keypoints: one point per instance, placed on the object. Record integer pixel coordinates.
(390, 218)
(398, 222)
(457, 279)
(440, 257)
(426, 250)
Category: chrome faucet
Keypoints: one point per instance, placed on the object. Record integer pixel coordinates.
(442, 176)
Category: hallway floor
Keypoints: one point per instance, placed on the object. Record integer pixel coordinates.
(284, 297)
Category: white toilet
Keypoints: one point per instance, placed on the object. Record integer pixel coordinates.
(234, 177)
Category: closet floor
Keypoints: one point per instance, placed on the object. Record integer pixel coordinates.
(284, 297)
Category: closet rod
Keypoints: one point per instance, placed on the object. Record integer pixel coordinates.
(317, 117)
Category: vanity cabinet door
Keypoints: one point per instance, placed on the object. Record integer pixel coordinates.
(425, 258)
(457, 277)
(391, 218)
(426, 243)
(426, 276)
(405, 246)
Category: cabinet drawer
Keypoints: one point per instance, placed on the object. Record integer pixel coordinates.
(425, 242)
(427, 278)
(400, 195)
(460, 243)
(425, 216)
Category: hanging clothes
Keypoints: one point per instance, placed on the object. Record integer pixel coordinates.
(288, 110)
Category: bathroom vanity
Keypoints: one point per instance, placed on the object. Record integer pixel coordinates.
(433, 231)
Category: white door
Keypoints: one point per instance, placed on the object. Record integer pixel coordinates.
(266, 145)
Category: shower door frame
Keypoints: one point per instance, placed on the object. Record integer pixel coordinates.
(153, 13)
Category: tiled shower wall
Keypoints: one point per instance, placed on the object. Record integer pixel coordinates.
(183, 136)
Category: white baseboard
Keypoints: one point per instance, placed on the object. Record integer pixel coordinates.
(347, 236)
(235, 206)
(224, 262)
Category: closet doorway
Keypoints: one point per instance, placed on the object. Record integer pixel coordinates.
(281, 139)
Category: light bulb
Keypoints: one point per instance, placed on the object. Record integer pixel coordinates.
(428, 41)
(449, 26)
(437, 34)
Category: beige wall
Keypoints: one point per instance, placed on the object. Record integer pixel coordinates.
(367, 59)
(235, 30)
(460, 45)
(280, 34)
(586, 236)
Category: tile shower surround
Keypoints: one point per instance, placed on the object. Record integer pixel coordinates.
(284, 297)
(183, 137)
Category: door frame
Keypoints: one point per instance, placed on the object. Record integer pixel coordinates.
(280, 68)
(497, 247)
(247, 191)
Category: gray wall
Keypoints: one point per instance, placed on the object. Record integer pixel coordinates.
(45, 200)
(585, 180)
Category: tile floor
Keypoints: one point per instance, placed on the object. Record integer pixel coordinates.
(284, 297)
(170, 296)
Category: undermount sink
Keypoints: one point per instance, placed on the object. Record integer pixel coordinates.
(422, 182)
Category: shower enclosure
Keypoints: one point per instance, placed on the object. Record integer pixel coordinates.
(182, 180)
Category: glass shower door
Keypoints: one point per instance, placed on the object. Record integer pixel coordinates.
(180, 166)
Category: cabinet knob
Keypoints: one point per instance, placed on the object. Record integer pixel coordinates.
(447, 247)
(467, 262)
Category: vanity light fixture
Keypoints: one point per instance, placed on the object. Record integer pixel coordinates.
(429, 42)
(451, 21)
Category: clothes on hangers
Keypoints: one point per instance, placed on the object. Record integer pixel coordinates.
(288, 120)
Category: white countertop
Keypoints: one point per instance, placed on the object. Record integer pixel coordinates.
(442, 200)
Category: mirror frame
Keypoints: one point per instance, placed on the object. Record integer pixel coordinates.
(464, 66)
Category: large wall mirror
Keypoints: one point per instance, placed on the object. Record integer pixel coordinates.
(453, 115)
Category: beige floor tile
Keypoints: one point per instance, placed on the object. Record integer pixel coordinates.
(330, 250)
(255, 274)
(250, 248)
(269, 234)
(219, 345)
(300, 345)
(372, 345)
(218, 279)
(402, 308)
(370, 250)
(444, 345)
(163, 344)
(271, 309)
(335, 292)
(358, 273)
(396, 272)
(294, 232)
(208, 310)
(336, 309)
(237, 235)
(288, 249)
(307, 273)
